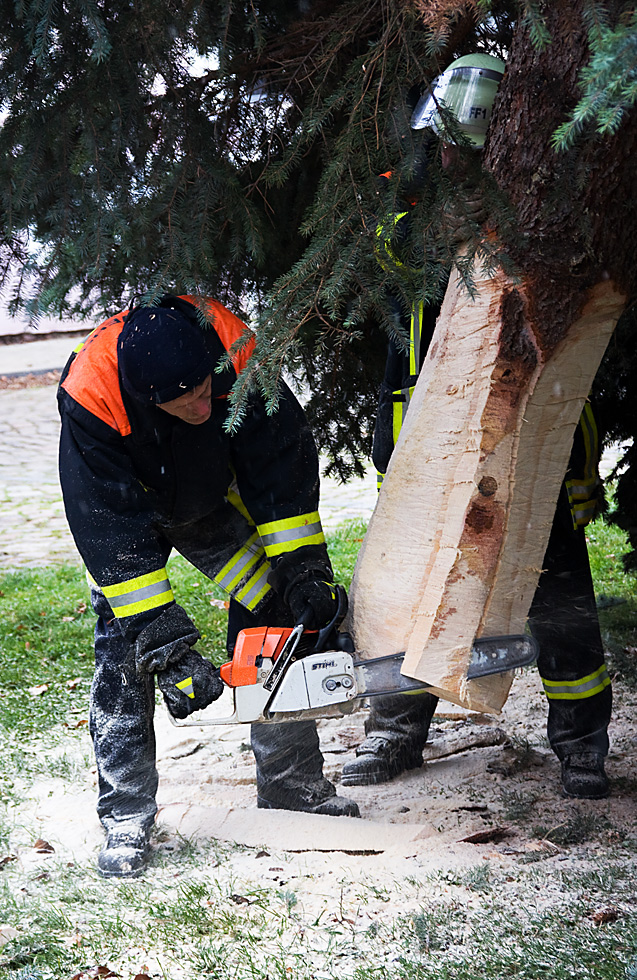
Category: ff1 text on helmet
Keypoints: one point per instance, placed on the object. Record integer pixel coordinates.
(467, 88)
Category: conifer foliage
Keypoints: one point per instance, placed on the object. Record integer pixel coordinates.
(131, 148)
(234, 150)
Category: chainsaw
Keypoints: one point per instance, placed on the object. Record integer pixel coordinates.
(290, 673)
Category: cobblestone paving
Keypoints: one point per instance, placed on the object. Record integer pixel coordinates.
(33, 529)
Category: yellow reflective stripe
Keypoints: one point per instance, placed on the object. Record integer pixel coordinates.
(235, 570)
(139, 594)
(397, 419)
(279, 537)
(591, 442)
(583, 501)
(76, 350)
(255, 588)
(133, 584)
(583, 513)
(379, 479)
(581, 490)
(415, 334)
(402, 398)
(186, 686)
(384, 242)
(583, 687)
(245, 576)
(233, 498)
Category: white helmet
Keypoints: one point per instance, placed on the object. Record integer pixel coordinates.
(467, 88)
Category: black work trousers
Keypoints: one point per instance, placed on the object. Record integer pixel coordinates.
(123, 703)
(563, 619)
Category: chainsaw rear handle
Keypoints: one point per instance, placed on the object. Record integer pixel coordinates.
(333, 625)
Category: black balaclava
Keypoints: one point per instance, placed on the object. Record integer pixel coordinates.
(162, 353)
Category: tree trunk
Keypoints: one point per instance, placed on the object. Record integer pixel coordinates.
(455, 546)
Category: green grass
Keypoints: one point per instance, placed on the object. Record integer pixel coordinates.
(46, 640)
(46, 652)
(616, 592)
(205, 922)
(582, 826)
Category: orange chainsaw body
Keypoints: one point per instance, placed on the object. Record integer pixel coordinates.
(252, 647)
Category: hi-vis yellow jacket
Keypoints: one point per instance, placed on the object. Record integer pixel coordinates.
(129, 470)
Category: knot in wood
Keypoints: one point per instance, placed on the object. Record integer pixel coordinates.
(487, 486)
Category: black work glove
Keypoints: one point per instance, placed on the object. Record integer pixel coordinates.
(303, 579)
(313, 602)
(189, 684)
(165, 640)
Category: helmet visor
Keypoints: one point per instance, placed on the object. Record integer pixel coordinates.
(468, 93)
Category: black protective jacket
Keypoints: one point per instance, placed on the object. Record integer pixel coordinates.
(130, 472)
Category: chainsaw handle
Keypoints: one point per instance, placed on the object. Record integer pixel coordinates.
(325, 632)
(189, 721)
(305, 618)
(335, 622)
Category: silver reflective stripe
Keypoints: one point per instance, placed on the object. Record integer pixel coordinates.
(234, 570)
(138, 595)
(256, 587)
(291, 534)
(582, 489)
(584, 511)
(584, 687)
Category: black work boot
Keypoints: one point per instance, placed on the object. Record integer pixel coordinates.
(125, 853)
(290, 771)
(396, 731)
(311, 797)
(381, 757)
(583, 776)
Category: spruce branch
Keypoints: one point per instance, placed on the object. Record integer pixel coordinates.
(608, 82)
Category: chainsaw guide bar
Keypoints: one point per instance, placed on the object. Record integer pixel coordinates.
(278, 675)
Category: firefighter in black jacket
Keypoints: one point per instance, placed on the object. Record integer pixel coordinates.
(563, 616)
(146, 466)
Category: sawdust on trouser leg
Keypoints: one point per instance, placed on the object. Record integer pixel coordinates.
(121, 724)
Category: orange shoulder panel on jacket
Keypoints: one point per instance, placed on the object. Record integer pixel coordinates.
(229, 329)
(93, 378)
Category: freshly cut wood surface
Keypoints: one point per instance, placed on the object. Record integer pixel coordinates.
(455, 545)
